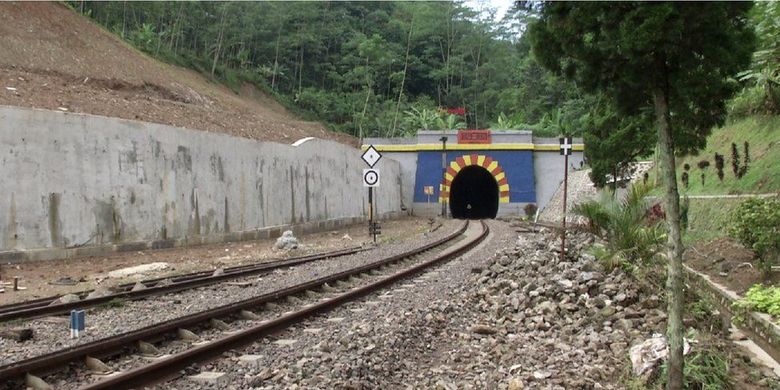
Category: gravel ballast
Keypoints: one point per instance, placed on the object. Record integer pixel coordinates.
(127, 316)
(507, 315)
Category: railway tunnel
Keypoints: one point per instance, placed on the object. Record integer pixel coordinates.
(474, 194)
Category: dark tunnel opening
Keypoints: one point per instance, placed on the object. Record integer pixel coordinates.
(474, 194)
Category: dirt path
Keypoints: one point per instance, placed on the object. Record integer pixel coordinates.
(91, 271)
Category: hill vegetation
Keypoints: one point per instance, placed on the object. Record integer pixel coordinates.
(54, 58)
(364, 68)
(757, 171)
(388, 68)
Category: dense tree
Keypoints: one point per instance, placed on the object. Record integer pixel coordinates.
(614, 141)
(676, 59)
(358, 66)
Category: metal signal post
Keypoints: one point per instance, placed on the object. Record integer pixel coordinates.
(566, 149)
(371, 179)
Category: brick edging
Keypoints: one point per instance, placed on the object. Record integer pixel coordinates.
(759, 327)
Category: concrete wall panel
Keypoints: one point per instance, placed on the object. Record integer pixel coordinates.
(80, 180)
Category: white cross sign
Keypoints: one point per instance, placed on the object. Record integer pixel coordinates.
(371, 156)
(566, 146)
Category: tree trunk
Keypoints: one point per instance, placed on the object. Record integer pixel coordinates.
(300, 71)
(124, 18)
(276, 55)
(219, 41)
(365, 104)
(674, 279)
(403, 79)
(476, 85)
(174, 40)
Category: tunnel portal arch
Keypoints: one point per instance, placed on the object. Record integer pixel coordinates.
(473, 186)
(474, 194)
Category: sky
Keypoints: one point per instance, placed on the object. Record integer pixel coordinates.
(501, 6)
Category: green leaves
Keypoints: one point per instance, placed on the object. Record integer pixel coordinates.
(756, 224)
(343, 62)
(631, 49)
(631, 237)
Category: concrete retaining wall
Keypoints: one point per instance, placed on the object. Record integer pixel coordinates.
(72, 181)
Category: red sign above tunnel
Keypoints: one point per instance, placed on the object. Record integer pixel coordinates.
(473, 136)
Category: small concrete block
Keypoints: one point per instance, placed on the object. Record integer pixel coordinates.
(386, 296)
(210, 377)
(163, 356)
(313, 330)
(408, 286)
(373, 303)
(335, 319)
(250, 360)
(285, 342)
(357, 310)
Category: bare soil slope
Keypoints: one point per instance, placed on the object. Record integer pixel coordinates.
(54, 58)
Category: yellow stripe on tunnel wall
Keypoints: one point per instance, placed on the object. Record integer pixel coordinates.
(474, 147)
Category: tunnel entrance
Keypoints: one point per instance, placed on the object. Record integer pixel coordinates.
(474, 186)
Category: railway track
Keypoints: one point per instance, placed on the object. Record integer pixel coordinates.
(232, 325)
(158, 286)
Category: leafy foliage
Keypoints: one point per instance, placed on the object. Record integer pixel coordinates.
(629, 59)
(762, 94)
(746, 163)
(734, 160)
(719, 164)
(765, 299)
(631, 237)
(360, 67)
(703, 165)
(705, 370)
(756, 224)
(614, 140)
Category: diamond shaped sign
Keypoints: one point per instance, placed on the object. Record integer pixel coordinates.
(371, 156)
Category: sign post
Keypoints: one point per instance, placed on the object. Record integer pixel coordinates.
(443, 140)
(428, 191)
(371, 179)
(566, 149)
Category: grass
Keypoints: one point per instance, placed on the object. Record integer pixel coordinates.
(709, 219)
(763, 175)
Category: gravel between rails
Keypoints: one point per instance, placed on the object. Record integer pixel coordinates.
(339, 349)
(108, 321)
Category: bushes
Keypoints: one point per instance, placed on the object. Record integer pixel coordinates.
(756, 224)
(703, 165)
(763, 299)
(719, 163)
(705, 370)
(530, 210)
(631, 236)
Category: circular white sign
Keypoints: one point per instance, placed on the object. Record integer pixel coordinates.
(371, 177)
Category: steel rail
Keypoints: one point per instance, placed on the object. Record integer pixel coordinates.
(43, 306)
(170, 366)
(106, 346)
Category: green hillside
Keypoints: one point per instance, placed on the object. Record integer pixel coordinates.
(763, 175)
(709, 218)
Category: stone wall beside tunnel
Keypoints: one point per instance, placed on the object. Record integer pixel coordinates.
(80, 181)
(527, 169)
